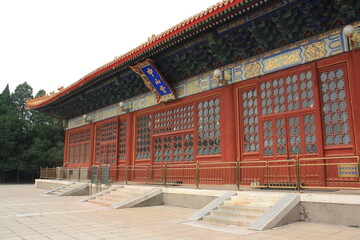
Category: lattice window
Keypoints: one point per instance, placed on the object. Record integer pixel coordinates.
(76, 160)
(106, 137)
(307, 90)
(268, 138)
(335, 108)
(209, 127)
(310, 133)
(279, 99)
(158, 150)
(266, 93)
(97, 143)
(79, 146)
(294, 93)
(143, 137)
(189, 147)
(280, 137)
(294, 135)
(87, 152)
(177, 119)
(177, 144)
(177, 148)
(122, 140)
(250, 121)
(167, 149)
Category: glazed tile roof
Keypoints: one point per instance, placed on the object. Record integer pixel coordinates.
(154, 42)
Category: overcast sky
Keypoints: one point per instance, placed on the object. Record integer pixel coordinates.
(52, 43)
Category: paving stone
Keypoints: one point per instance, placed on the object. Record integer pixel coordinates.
(26, 214)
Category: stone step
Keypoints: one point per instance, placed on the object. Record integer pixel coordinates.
(257, 197)
(137, 188)
(116, 196)
(109, 199)
(250, 202)
(101, 202)
(252, 216)
(119, 194)
(245, 209)
(126, 192)
(223, 220)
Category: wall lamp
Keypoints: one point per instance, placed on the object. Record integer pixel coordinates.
(354, 37)
(123, 108)
(65, 123)
(218, 75)
(88, 119)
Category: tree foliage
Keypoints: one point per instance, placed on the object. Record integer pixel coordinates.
(29, 139)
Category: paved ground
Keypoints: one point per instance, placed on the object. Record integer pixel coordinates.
(26, 214)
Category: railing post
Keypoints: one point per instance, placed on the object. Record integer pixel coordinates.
(79, 174)
(267, 175)
(126, 174)
(165, 174)
(298, 178)
(197, 174)
(147, 174)
(238, 174)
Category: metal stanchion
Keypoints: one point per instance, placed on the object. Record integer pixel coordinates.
(197, 174)
(238, 174)
(126, 174)
(165, 175)
(298, 178)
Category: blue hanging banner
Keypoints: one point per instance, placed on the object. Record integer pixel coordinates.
(154, 81)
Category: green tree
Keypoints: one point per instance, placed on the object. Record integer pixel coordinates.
(23, 137)
(10, 132)
(28, 139)
(46, 148)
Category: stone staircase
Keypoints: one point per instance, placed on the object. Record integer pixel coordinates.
(242, 209)
(118, 195)
(67, 189)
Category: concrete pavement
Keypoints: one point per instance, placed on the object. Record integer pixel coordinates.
(26, 214)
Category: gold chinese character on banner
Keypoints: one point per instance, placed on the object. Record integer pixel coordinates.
(150, 72)
(162, 88)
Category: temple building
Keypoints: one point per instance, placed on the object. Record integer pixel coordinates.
(249, 81)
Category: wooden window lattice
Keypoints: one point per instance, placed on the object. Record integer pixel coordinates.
(173, 120)
(106, 136)
(335, 108)
(176, 148)
(209, 127)
(122, 141)
(250, 121)
(79, 146)
(291, 93)
(143, 137)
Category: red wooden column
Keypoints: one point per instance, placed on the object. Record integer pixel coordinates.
(228, 145)
(228, 125)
